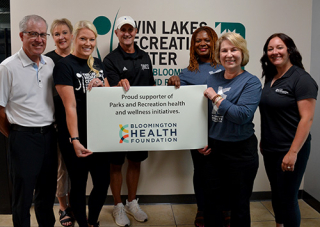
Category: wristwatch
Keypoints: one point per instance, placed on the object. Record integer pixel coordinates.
(73, 138)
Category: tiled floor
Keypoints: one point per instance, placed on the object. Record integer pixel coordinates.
(171, 215)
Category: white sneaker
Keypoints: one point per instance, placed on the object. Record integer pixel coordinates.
(120, 216)
(134, 209)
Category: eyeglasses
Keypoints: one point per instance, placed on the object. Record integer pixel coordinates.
(35, 35)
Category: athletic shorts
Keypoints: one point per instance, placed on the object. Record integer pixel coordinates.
(117, 158)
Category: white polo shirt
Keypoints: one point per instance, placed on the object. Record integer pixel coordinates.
(26, 90)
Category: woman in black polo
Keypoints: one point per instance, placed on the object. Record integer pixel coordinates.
(287, 107)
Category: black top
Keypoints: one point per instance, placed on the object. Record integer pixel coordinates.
(137, 68)
(59, 113)
(54, 56)
(279, 109)
(75, 72)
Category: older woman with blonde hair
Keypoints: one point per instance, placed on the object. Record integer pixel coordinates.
(231, 155)
(61, 31)
(73, 76)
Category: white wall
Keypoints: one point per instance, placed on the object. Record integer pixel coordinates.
(312, 175)
(171, 172)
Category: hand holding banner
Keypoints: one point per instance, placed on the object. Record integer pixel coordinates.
(147, 118)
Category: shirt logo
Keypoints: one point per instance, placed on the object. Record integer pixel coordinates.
(85, 78)
(125, 69)
(144, 66)
(221, 91)
(215, 114)
(281, 91)
(211, 72)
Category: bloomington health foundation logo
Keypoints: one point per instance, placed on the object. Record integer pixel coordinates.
(148, 133)
(123, 137)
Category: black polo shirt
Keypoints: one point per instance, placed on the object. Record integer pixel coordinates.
(137, 67)
(279, 109)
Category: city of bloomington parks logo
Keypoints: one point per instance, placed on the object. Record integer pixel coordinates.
(148, 133)
(231, 27)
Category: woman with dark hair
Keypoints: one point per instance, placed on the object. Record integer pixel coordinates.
(202, 63)
(287, 107)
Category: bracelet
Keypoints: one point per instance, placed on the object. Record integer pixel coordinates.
(214, 97)
(74, 138)
(217, 100)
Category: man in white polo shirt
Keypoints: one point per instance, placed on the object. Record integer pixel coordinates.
(26, 117)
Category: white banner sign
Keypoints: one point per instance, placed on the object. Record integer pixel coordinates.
(147, 118)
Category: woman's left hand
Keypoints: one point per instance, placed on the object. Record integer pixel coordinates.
(209, 93)
(96, 82)
(289, 161)
(205, 151)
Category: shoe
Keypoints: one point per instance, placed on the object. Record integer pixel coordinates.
(66, 216)
(134, 209)
(227, 218)
(120, 216)
(199, 220)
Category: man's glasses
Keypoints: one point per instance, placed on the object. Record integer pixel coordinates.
(35, 35)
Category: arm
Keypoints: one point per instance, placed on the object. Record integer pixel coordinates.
(4, 123)
(67, 95)
(5, 88)
(242, 112)
(152, 81)
(306, 110)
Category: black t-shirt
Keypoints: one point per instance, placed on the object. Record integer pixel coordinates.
(54, 56)
(137, 68)
(279, 109)
(58, 105)
(75, 72)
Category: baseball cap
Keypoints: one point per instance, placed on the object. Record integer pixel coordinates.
(125, 20)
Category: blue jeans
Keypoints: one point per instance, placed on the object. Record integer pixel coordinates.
(230, 171)
(285, 185)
